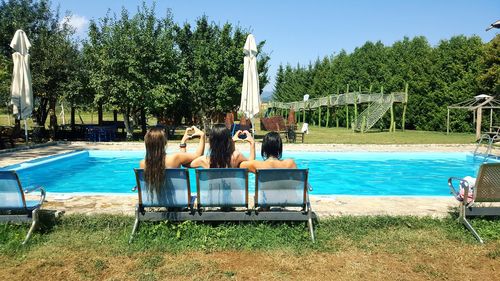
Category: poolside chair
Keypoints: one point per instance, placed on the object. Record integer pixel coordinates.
(486, 190)
(176, 198)
(284, 188)
(223, 188)
(13, 205)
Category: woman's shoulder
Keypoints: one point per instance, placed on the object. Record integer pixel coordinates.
(289, 163)
(142, 164)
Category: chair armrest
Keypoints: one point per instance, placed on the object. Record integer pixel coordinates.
(309, 187)
(456, 190)
(34, 188)
(134, 189)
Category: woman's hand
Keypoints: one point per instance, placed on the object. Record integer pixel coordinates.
(187, 134)
(249, 137)
(235, 137)
(197, 132)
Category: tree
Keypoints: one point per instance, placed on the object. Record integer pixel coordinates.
(489, 79)
(437, 77)
(133, 63)
(50, 55)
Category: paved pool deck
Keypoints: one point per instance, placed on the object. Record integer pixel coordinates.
(324, 206)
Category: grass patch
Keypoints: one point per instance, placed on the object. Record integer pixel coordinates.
(317, 135)
(96, 247)
(344, 136)
(91, 232)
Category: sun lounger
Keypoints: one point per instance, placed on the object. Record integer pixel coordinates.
(13, 205)
(486, 190)
(176, 198)
(284, 188)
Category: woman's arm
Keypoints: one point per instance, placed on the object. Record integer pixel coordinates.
(248, 139)
(251, 141)
(201, 161)
(184, 157)
(250, 165)
(200, 150)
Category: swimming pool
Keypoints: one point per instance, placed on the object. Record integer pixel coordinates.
(330, 173)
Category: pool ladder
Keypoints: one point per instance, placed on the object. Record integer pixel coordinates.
(490, 140)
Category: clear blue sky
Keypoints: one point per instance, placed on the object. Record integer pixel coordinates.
(301, 31)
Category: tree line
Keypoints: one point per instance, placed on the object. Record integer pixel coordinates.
(137, 65)
(454, 70)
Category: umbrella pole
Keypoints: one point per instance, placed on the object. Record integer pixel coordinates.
(253, 127)
(26, 130)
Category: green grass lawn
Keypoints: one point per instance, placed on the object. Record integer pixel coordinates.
(86, 117)
(345, 136)
(316, 134)
(80, 247)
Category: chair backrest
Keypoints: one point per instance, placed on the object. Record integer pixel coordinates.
(175, 193)
(488, 183)
(11, 192)
(281, 187)
(222, 187)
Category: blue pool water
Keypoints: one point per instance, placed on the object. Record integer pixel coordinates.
(361, 173)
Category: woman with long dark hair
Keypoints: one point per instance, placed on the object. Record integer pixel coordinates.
(222, 151)
(157, 160)
(271, 152)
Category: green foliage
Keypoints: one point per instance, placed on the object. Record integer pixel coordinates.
(489, 79)
(145, 62)
(437, 77)
(51, 56)
(132, 62)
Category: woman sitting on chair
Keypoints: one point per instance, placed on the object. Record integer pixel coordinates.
(222, 151)
(157, 160)
(271, 151)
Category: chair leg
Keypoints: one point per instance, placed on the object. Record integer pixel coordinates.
(136, 225)
(310, 224)
(471, 229)
(33, 225)
(467, 224)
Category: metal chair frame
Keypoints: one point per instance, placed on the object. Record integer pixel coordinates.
(487, 190)
(23, 213)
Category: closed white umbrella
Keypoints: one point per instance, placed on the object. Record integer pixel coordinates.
(21, 89)
(250, 92)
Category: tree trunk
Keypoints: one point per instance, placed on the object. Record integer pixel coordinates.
(41, 112)
(115, 116)
(72, 118)
(53, 119)
(143, 121)
(99, 114)
(128, 126)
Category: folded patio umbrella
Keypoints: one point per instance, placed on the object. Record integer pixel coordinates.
(21, 89)
(250, 92)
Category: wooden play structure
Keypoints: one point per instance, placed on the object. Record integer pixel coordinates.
(378, 105)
